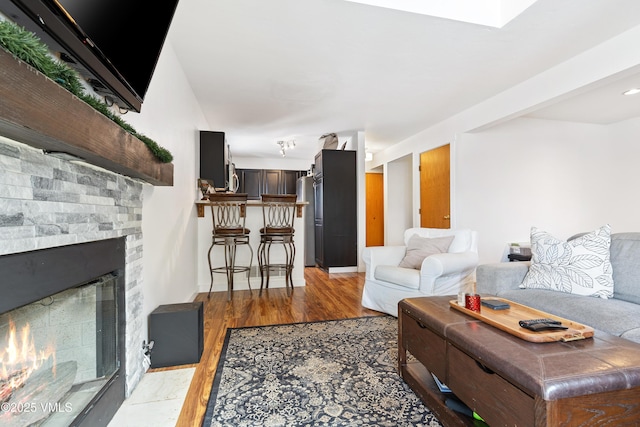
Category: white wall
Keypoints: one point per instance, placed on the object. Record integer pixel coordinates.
(562, 177)
(559, 176)
(399, 204)
(286, 163)
(171, 116)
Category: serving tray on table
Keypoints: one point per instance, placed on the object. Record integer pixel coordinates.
(507, 320)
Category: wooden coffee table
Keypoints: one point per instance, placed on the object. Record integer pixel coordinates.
(511, 381)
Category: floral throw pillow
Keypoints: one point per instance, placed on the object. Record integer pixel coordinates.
(580, 266)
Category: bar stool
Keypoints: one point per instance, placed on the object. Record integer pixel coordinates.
(278, 213)
(228, 211)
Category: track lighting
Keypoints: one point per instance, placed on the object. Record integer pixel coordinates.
(286, 145)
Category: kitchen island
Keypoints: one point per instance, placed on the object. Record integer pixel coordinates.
(254, 222)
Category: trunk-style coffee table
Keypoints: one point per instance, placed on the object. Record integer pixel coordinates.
(509, 381)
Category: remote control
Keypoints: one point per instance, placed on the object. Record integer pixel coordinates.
(525, 323)
(538, 327)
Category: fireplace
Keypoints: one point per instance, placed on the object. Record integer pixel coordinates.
(62, 334)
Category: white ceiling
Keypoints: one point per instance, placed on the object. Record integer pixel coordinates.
(269, 70)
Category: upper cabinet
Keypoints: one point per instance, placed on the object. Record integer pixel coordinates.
(256, 182)
(213, 158)
(250, 182)
(289, 180)
(272, 182)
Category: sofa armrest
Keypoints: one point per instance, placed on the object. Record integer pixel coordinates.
(494, 278)
(374, 256)
(445, 264)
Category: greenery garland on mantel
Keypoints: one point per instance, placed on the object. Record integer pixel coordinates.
(27, 47)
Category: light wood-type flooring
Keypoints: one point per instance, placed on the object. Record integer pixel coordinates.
(325, 297)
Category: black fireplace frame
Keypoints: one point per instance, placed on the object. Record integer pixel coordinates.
(26, 277)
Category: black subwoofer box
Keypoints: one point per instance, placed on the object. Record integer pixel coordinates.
(177, 333)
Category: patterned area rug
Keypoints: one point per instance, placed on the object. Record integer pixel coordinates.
(333, 373)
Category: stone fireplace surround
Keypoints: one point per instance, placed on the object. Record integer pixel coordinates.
(47, 202)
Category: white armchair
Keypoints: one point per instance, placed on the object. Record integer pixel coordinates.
(440, 274)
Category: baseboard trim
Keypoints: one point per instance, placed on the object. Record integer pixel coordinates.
(353, 269)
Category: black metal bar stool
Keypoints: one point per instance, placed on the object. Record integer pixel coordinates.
(278, 213)
(228, 211)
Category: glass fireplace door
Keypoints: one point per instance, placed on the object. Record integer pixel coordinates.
(57, 354)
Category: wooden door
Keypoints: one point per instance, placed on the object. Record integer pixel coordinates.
(435, 188)
(374, 191)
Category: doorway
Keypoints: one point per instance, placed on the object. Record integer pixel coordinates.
(374, 190)
(435, 188)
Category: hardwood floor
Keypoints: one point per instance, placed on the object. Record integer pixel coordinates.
(325, 297)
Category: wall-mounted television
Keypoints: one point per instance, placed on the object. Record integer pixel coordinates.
(113, 44)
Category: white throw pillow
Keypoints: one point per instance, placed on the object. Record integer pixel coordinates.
(580, 266)
(418, 248)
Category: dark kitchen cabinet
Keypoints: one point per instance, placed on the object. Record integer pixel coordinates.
(256, 182)
(213, 162)
(271, 182)
(335, 214)
(250, 182)
(289, 180)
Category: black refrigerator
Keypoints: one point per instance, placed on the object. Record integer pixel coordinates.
(335, 220)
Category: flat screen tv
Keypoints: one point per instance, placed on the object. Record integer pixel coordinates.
(113, 44)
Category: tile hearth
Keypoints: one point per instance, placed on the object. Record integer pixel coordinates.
(156, 401)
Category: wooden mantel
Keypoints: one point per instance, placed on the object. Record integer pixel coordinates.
(38, 112)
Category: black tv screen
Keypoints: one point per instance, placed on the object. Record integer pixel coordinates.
(114, 44)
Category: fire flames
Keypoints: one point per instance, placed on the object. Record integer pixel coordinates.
(19, 359)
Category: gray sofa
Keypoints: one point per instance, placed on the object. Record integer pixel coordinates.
(619, 315)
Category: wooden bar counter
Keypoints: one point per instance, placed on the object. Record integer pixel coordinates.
(254, 222)
(201, 204)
